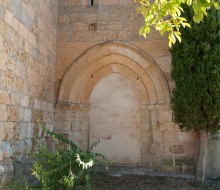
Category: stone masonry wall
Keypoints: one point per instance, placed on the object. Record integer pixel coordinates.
(82, 26)
(27, 70)
(73, 123)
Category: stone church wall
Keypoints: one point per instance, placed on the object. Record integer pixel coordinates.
(54, 52)
(27, 71)
(82, 27)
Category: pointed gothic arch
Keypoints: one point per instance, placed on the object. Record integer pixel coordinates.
(110, 57)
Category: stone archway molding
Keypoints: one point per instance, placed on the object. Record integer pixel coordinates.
(109, 57)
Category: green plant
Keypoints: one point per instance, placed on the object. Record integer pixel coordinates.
(65, 168)
(196, 71)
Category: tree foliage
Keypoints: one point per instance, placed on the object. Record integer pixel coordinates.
(196, 71)
(165, 15)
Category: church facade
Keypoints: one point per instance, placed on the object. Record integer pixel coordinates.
(82, 68)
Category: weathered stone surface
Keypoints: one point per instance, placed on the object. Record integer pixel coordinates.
(156, 148)
(6, 171)
(3, 112)
(5, 150)
(4, 97)
(177, 149)
(165, 115)
(2, 12)
(24, 86)
(213, 165)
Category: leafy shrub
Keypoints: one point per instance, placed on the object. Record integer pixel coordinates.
(65, 168)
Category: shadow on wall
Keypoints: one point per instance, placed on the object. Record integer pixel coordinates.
(213, 164)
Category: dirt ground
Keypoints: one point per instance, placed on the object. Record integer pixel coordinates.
(103, 181)
(134, 182)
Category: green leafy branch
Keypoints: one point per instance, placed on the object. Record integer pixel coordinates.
(165, 15)
(66, 167)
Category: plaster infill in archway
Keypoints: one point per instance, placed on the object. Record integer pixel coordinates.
(111, 57)
(116, 122)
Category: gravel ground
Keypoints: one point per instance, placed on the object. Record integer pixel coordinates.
(133, 182)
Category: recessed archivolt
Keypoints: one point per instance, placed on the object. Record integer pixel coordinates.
(95, 77)
(111, 57)
(97, 70)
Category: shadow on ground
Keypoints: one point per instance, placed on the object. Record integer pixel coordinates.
(103, 181)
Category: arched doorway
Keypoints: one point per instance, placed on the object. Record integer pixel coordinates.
(121, 65)
(114, 119)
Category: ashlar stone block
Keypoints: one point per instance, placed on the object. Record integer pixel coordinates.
(5, 150)
(6, 171)
(145, 126)
(3, 112)
(165, 115)
(8, 17)
(156, 148)
(24, 101)
(4, 97)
